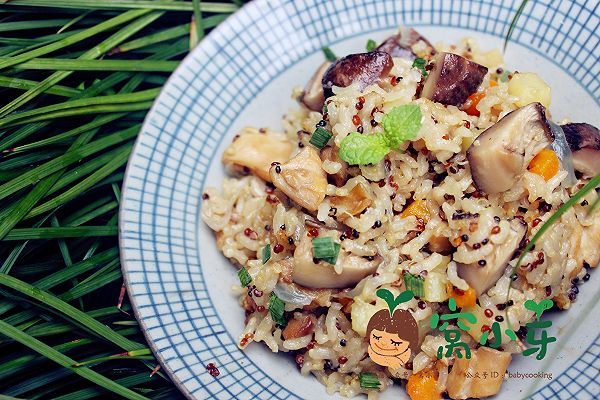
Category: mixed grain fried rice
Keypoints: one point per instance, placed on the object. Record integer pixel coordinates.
(418, 212)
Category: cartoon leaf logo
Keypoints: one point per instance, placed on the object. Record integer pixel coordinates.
(394, 302)
(540, 307)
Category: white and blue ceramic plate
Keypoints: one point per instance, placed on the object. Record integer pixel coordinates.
(243, 74)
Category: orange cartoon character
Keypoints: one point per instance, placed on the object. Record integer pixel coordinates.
(393, 335)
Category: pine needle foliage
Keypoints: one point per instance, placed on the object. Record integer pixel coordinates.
(76, 80)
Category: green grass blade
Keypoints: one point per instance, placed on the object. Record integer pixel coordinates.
(73, 39)
(69, 311)
(55, 327)
(111, 358)
(61, 359)
(20, 364)
(29, 25)
(60, 233)
(66, 160)
(118, 100)
(92, 285)
(39, 383)
(19, 210)
(73, 21)
(60, 277)
(27, 159)
(90, 393)
(198, 22)
(55, 64)
(120, 158)
(87, 110)
(513, 23)
(66, 255)
(167, 34)
(10, 261)
(167, 5)
(95, 52)
(96, 123)
(26, 84)
(81, 213)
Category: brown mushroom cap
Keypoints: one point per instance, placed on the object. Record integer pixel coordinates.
(400, 44)
(584, 141)
(321, 275)
(502, 152)
(363, 68)
(312, 96)
(452, 79)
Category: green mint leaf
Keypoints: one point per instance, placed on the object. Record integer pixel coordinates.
(371, 45)
(400, 124)
(420, 64)
(363, 149)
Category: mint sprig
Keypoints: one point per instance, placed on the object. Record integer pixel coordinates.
(400, 124)
(419, 63)
(363, 149)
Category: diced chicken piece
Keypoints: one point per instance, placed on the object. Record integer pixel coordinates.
(322, 275)
(483, 277)
(296, 328)
(479, 376)
(355, 202)
(287, 269)
(364, 69)
(312, 95)
(302, 178)
(340, 177)
(584, 141)
(501, 154)
(400, 45)
(256, 151)
(452, 79)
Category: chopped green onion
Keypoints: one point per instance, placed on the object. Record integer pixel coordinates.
(324, 248)
(329, 55)
(266, 253)
(320, 138)
(371, 45)
(276, 308)
(420, 64)
(244, 277)
(415, 284)
(325, 109)
(368, 380)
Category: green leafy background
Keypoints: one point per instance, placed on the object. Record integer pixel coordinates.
(76, 80)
